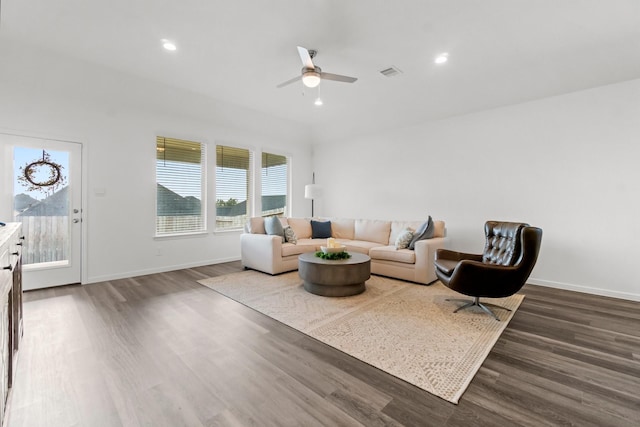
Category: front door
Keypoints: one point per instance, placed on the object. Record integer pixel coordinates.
(46, 199)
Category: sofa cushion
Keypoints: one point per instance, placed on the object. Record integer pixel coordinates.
(313, 243)
(438, 228)
(372, 230)
(290, 235)
(320, 229)
(289, 249)
(360, 246)
(390, 253)
(404, 238)
(342, 228)
(255, 225)
(425, 231)
(301, 226)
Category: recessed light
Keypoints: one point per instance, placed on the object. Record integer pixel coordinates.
(169, 45)
(442, 58)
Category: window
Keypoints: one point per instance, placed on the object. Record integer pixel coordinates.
(274, 184)
(180, 191)
(233, 187)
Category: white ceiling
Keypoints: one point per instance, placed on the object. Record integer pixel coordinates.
(501, 51)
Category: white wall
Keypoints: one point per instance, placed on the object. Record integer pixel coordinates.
(568, 164)
(117, 118)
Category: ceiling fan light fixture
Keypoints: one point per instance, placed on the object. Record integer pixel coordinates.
(311, 79)
(442, 58)
(311, 74)
(169, 45)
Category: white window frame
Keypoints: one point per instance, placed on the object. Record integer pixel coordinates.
(287, 210)
(203, 190)
(251, 187)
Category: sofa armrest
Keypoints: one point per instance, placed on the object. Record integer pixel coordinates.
(425, 251)
(261, 252)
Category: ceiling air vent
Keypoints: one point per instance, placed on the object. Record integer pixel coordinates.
(390, 72)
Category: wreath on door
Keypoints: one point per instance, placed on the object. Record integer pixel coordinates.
(55, 178)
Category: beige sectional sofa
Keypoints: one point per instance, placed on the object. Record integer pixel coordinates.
(376, 238)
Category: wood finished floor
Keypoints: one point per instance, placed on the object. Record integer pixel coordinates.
(161, 350)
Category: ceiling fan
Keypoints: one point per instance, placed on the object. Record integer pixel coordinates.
(312, 74)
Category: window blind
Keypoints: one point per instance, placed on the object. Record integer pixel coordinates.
(233, 186)
(180, 196)
(274, 173)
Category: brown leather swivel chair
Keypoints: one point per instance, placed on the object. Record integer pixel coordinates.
(510, 252)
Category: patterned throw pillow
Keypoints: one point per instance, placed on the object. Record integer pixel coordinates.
(290, 235)
(404, 238)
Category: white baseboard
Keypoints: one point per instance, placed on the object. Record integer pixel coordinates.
(585, 289)
(163, 269)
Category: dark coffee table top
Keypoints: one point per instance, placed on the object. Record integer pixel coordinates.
(356, 258)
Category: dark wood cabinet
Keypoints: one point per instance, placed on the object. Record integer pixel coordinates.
(11, 326)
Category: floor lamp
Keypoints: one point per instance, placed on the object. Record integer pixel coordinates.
(312, 191)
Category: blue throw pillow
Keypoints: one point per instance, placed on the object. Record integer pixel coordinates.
(320, 229)
(425, 231)
(273, 226)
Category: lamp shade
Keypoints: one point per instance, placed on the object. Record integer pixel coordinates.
(312, 191)
(311, 78)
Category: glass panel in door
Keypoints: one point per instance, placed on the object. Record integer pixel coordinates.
(41, 203)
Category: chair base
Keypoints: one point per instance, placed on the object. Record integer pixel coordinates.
(476, 302)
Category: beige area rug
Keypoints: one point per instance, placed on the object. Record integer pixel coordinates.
(405, 329)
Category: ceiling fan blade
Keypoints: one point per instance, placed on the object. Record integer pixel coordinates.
(305, 57)
(288, 82)
(337, 77)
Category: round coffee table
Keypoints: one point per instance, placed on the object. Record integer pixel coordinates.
(339, 278)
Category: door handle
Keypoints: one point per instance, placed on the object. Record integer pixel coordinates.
(76, 220)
